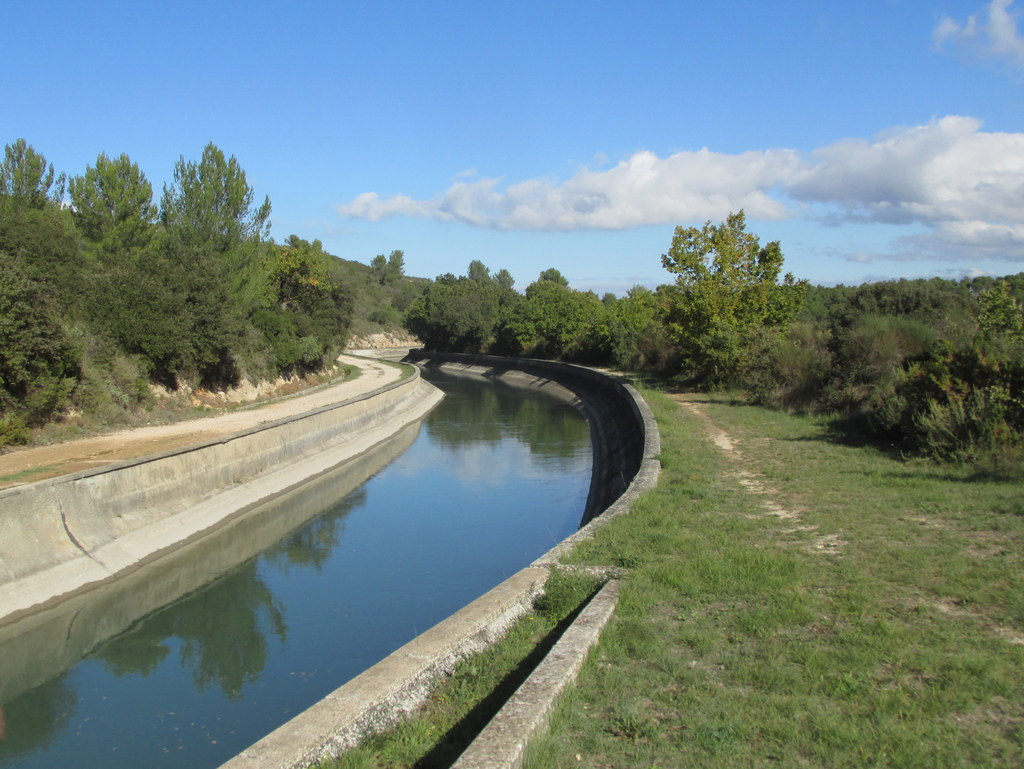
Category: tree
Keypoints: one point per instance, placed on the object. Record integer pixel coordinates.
(216, 254)
(504, 279)
(26, 177)
(479, 272)
(554, 321)
(396, 266)
(553, 275)
(726, 286)
(1000, 316)
(456, 315)
(113, 205)
(388, 269)
(211, 203)
(38, 365)
(379, 265)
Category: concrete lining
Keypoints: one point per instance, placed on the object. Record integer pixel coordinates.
(626, 447)
(502, 743)
(67, 534)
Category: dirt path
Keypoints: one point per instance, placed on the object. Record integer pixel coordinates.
(753, 482)
(39, 462)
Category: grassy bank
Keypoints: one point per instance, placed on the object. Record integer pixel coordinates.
(790, 601)
(798, 602)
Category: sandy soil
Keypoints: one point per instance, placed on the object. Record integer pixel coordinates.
(36, 463)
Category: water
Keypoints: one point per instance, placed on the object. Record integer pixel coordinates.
(301, 596)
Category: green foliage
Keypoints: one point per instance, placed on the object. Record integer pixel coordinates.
(211, 204)
(456, 314)
(555, 321)
(27, 178)
(1001, 317)
(47, 246)
(389, 269)
(726, 286)
(553, 275)
(963, 404)
(113, 205)
(38, 363)
(307, 318)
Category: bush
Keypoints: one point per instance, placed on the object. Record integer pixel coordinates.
(965, 405)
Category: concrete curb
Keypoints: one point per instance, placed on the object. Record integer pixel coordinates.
(503, 742)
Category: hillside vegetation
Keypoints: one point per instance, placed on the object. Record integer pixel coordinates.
(114, 308)
(924, 366)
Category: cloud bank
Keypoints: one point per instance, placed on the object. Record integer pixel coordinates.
(964, 185)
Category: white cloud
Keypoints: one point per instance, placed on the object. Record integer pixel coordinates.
(944, 172)
(964, 185)
(641, 190)
(996, 36)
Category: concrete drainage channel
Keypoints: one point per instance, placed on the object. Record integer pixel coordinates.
(626, 447)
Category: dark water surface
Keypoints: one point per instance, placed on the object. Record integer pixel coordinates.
(300, 597)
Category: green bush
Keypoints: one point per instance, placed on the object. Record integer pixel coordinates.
(965, 405)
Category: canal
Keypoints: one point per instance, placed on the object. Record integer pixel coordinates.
(189, 661)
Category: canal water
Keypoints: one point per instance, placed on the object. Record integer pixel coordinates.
(196, 657)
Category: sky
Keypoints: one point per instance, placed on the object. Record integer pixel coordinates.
(876, 139)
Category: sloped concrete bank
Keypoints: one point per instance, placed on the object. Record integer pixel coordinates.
(626, 448)
(67, 534)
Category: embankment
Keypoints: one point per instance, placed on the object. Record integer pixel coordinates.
(626, 446)
(67, 534)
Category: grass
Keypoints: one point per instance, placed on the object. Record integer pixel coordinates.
(28, 473)
(792, 602)
(798, 602)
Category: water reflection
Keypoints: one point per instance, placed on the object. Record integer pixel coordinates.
(196, 656)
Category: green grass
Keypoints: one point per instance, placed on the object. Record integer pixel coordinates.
(28, 473)
(873, 615)
(796, 602)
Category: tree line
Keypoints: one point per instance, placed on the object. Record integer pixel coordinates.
(929, 366)
(104, 292)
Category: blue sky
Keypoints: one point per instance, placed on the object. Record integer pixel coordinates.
(874, 139)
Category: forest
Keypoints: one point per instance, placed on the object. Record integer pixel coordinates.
(112, 303)
(114, 307)
(930, 367)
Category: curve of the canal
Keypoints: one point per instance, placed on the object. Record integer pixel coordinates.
(381, 550)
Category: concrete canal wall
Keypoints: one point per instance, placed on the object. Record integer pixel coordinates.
(626, 446)
(66, 534)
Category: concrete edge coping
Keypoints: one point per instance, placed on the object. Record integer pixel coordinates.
(503, 742)
(388, 691)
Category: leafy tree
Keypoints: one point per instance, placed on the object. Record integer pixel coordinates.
(216, 256)
(479, 272)
(379, 265)
(113, 205)
(554, 321)
(38, 363)
(211, 204)
(1000, 316)
(726, 286)
(504, 279)
(456, 315)
(396, 266)
(554, 276)
(26, 176)
(388, 269)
